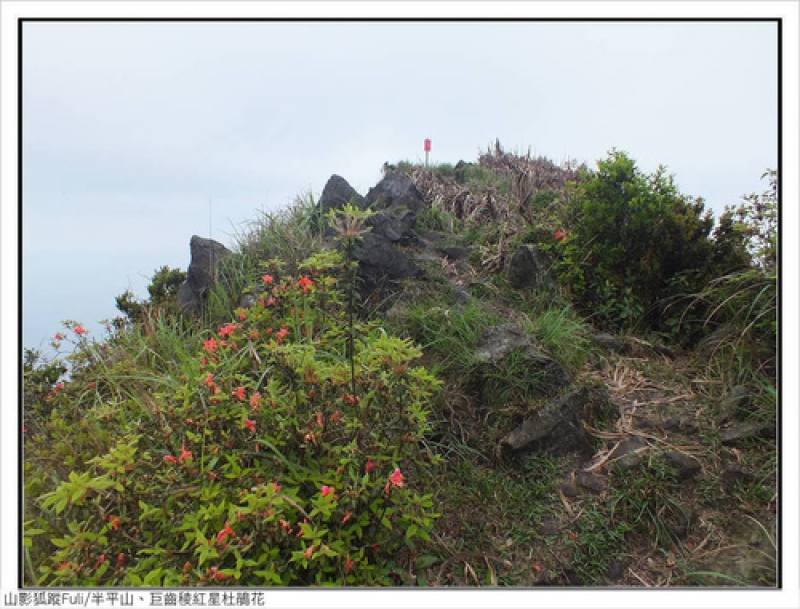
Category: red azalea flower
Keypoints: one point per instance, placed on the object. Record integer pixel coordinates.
(560, 235)
(255, 399)
(270, 301)
(326, 490)
(335, 417)
(225, 532)
(348, 565)
(267, 279)
(210, 345)
(239, 393)
(370, 465)
(227, 330)
(305, 283)
(251, 425)
(185, 454)
(58, 387)
(79, 330)
(281, 334)
(170, 459)
(59, 336)
(396, 478)
(114, 522)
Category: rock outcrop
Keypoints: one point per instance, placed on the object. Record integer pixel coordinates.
(205, 255)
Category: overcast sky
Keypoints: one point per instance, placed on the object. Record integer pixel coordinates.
(131, 128)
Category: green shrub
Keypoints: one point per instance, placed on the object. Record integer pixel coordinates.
(258, 465)
(633, 235)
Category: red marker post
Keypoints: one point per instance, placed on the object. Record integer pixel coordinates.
(427, 150)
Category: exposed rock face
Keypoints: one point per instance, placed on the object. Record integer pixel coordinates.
(396, 200)
(557, 427)
(205, 255)
(499, 342)
(395, 192)
(337, 193)
(381, 264)
(396, 227)
(526, 267)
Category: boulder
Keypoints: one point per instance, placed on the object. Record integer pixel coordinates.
(395, 192)
(337, 193)
(397, 227)
(545, 375)
(205, 256)
(381, 264)
(557, 427)
(747, 431)
(526, 267)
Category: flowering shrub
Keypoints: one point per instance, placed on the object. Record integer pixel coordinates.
(263, 467)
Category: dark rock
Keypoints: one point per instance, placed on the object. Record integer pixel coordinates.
(396, 227)
(630, 453)
(455, 253)
(609, 342)
(686, 466)
(205, 255)
(395, 192)
(499, 342)
(247, 300)
(734, 405)
(337, 193)
(557, 427)
(733, 474)
(381, 264)
(747, 431)
(589, 481)
(569, 490)
(526, 267)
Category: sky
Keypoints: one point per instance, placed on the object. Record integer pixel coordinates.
(138, 135)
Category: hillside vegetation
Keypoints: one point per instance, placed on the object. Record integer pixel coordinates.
(303, 430)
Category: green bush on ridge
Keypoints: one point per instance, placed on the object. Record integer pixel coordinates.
(261, 467)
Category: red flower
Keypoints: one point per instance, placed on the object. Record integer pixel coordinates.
(320, 419)
(59, 336)
(225, 532)
(79, 330)
(210, 345)
(335, 417)
(267, 279)
(270, 301)
(115, 521)
(91, 385)
(251, 425)
(348, 565)
(170, 459)
(305, 283)
(227, 330)
(396, 478)
(281, 334)
(370, 465)
(560, 235)
(58, 387)
(239, 393)
(255, 400)
(185, 454)
(326, 490)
